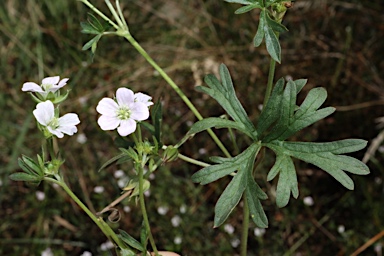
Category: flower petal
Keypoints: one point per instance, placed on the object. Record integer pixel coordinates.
(44, 112)
(124, 96)
(56, 132)
(51, 80)
(107, 107)
(108, 123)
(31, 87)
(126, 127)
(144, 98)
(140, 111)
(70, 119)
(63, 82)
(70, 129)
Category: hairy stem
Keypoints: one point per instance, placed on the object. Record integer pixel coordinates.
(144, 210)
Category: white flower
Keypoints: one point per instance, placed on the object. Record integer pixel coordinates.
(144, 98)
(45, 115)
(122, 113)
(48, 84)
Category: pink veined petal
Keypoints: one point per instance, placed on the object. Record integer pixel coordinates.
(70, 119)
(144, 98)
(44, 112)
(107, 107)
(31, 87)
(108, 123)
(56, 132)
(126, 127)
(124, 96)
(51, 80)
(140, 111)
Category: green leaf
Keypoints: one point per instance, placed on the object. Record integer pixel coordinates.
(225, 167)
(230, 198)
(21, 176)
(275, 26)
(91, 43)
(224, 93)
(272, 42)
(258, 39)
(95, 23)
(287, 181)
(88, 28)
(300, 83)
(111, 161)
(253, 195)
(157, 118)
(325, 156)
(131, 241)
(335, 147)
(246, 2)
(217, 123)
(281, 110)
(247, 8)
(33, 165)
(271, 112)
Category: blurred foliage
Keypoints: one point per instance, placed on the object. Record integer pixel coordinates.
(335, 44)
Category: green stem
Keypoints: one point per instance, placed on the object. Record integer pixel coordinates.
(93, 8)
(192, 161)
(245, 227)
(177, 89)
(110, 234)
(144, 210)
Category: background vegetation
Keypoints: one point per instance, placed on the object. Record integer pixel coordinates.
(335, 44)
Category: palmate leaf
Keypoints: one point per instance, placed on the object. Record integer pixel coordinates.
(241, 182)
(281, 118)
(224, 93)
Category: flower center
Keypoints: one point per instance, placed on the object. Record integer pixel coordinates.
(123, 113)
(54, 123)
(46, 87)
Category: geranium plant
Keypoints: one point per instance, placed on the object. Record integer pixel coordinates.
(281, 118)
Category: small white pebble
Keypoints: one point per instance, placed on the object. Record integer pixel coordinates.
(119, 174)
(183, 208)
(122, 182)
(152, 176)
(378, 180)
(47, 252)
(235, 242)
(176, 221)
(81, 138)
(260, 107)
(106, 246)
(127, 208)
(378, 249)
(308, 200)
(202, 151)
(178, 240)
(229, 228)
(259, 232)
(40, 195)
(381, 149)
(162, 210)
(147, 193)
(98, 189)
(340, 229)
(86, 253)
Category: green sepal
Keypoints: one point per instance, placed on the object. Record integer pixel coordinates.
(129, 240)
